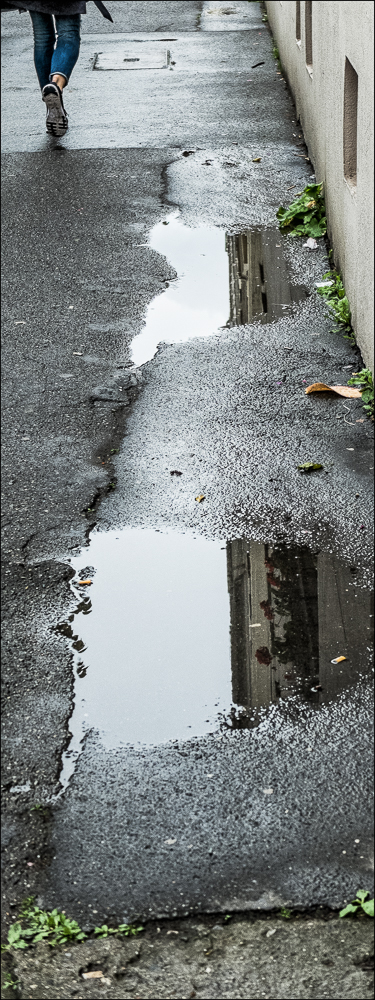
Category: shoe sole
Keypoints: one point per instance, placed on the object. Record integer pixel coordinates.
(56, 123)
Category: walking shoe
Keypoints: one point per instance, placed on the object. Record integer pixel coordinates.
(57, 119)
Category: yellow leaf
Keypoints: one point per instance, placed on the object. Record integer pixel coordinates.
(310, 204)
(340, 390)
(200, 498)
(257, 159)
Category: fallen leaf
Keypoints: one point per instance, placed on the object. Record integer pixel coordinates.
(263, 656)
(311, 244)
(84, 583)
(309, 466)
(92, 975)
(175, 472)
(341, 390)
(310, 204)
(200, 498)
(257, 159)
(357, 422)
(339, 659)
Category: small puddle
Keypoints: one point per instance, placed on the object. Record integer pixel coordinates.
(180, 636)
(222, 281)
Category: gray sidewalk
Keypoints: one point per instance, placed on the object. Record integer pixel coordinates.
(230, 411)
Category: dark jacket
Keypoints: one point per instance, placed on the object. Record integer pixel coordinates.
(72, 7)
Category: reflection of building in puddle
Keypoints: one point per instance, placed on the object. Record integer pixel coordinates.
(291, 614)
(258, 277)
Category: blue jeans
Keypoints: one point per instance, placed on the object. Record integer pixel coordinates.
(56, 49)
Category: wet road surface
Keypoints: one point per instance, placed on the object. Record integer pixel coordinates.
(267, 803)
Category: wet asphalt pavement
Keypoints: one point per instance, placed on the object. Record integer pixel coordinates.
(89, 440)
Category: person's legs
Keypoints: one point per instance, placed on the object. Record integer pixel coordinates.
(44, 44)
(55, 53)
(65, 55)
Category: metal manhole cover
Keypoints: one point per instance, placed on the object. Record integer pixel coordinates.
(130, 58)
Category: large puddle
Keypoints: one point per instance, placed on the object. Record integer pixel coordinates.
(179, 636)
(223, 280)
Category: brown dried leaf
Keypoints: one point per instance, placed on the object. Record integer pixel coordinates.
(340, 390)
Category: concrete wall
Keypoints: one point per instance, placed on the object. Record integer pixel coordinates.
(339, 32)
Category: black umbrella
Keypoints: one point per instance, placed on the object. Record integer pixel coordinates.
(103, 10)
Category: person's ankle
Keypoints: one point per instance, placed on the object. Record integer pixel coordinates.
(60, 81)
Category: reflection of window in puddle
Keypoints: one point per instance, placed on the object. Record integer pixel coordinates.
(291, 614)
(198, 302)
(162, 653)
(259, 282)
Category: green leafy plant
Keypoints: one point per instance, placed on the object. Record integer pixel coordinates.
(360, 902)
(41, 810)
(333, 291)
(365, 382)
(10, 983)
(285, 913)
(228, 917)
(124, 930)
(36, 925)
(276, 55)
(306, 216)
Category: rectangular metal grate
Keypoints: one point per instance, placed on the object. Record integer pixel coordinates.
(144, 57)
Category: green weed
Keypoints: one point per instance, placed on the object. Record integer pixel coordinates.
(10, 983)
(42, 810)
(334, 293)
(124, 930)
(306, 216)
(34, 925)
(285, 913)
(276, 55)
(364, 381)
(360, 902)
